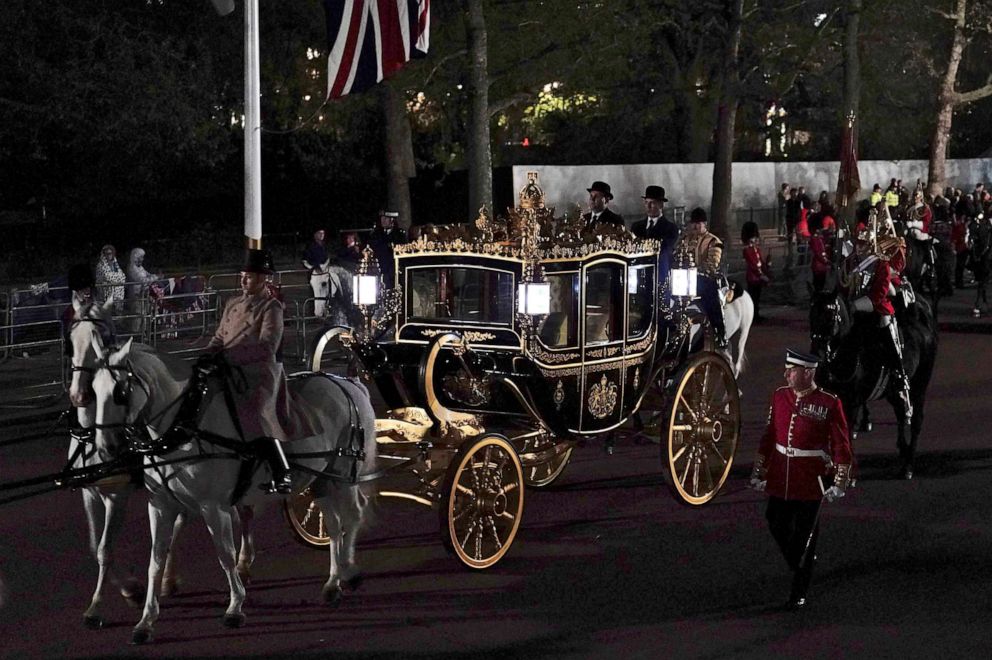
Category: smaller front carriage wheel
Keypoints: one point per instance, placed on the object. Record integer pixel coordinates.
(306, 519)
(703, 427)
(484, 500)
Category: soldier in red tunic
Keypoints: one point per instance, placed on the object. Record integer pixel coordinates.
(805, 442)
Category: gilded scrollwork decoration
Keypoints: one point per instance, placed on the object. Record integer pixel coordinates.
(559, 394)
(637, 378)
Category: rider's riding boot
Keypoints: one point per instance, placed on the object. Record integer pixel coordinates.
(895, 362)
(282, 478)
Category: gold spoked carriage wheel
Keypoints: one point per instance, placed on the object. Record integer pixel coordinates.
(484, 501)
(703, 428)
(538, 474)
(306, 519)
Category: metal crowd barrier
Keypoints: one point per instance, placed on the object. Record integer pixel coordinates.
(43, 379)
(186, 315)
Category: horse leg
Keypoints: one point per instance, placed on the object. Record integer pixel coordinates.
(864, 418)
(354, 519)
(329, 506)
(113, 507)
(246, 556)
(220, 521)
(162, 519)
(170, 576)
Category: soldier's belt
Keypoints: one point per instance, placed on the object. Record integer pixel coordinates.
(792, 452)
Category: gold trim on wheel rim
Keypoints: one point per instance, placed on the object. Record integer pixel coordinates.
(703, 429)
(306, 519)
(485, 501)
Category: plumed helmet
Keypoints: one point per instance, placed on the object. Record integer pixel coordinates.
(80, 277)
(258, 261)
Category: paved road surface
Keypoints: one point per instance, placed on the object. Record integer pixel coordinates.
(607, 563)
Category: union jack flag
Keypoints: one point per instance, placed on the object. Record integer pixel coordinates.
(371, 39)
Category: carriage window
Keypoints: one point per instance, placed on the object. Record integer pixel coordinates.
(460, 294)
(604, 303)
(560, 327)
(640, 308)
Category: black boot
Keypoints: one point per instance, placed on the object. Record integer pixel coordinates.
(798, 598)
(282, 478)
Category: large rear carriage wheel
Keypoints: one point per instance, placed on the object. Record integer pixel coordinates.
(483, 501)
(703, 429)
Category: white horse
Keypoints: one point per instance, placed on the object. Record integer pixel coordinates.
(105, 502)
(738, 315)
(200, 475)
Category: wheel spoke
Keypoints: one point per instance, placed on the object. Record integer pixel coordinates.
(677, 455)
(688, 408)
(716, 450)
(464, 489)
(681, 427)
(510, 487)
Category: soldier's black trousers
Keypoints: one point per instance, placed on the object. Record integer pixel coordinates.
(791, 523)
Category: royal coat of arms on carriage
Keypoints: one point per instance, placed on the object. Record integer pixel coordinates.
(602, 398)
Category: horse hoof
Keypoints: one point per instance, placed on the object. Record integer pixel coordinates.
(332, 596)
(139, 637)
(907, 474)
(234, 620)
(93, 622)
(353, 583)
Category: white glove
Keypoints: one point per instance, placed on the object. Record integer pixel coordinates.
(833, 493)
(863, 304)
(758, 484)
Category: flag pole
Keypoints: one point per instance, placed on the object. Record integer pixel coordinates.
(253, 131)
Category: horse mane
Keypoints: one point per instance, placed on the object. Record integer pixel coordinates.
(177, 369)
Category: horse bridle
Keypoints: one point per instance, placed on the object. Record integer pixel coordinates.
(99, 323)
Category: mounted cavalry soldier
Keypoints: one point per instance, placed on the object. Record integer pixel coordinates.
(707, 250)
(806, 441)
(874, 280)
(249, 338)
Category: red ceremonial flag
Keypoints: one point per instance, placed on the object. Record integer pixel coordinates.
(371, 39)
(849, 179)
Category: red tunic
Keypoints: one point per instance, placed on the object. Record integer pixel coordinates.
(820, 263)
(879, 291)
(806, 436)
(755, 264)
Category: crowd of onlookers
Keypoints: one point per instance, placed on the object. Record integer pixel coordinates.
(953, 228)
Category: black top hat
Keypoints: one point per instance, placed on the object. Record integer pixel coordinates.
(601, 187)
(797, 359)
(655, 192)
(258, 261)
(80, 277)
(697, 215)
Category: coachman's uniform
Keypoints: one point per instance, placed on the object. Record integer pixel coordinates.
(250, 333)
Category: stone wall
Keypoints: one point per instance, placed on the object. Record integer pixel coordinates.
(755, 184)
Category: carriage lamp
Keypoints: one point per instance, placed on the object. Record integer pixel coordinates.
(365, 289)
(534, 298)
(365, 283)
(684, 282)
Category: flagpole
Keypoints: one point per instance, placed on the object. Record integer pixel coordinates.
(253, 131)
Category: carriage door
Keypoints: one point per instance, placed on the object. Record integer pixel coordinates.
(603, 332)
